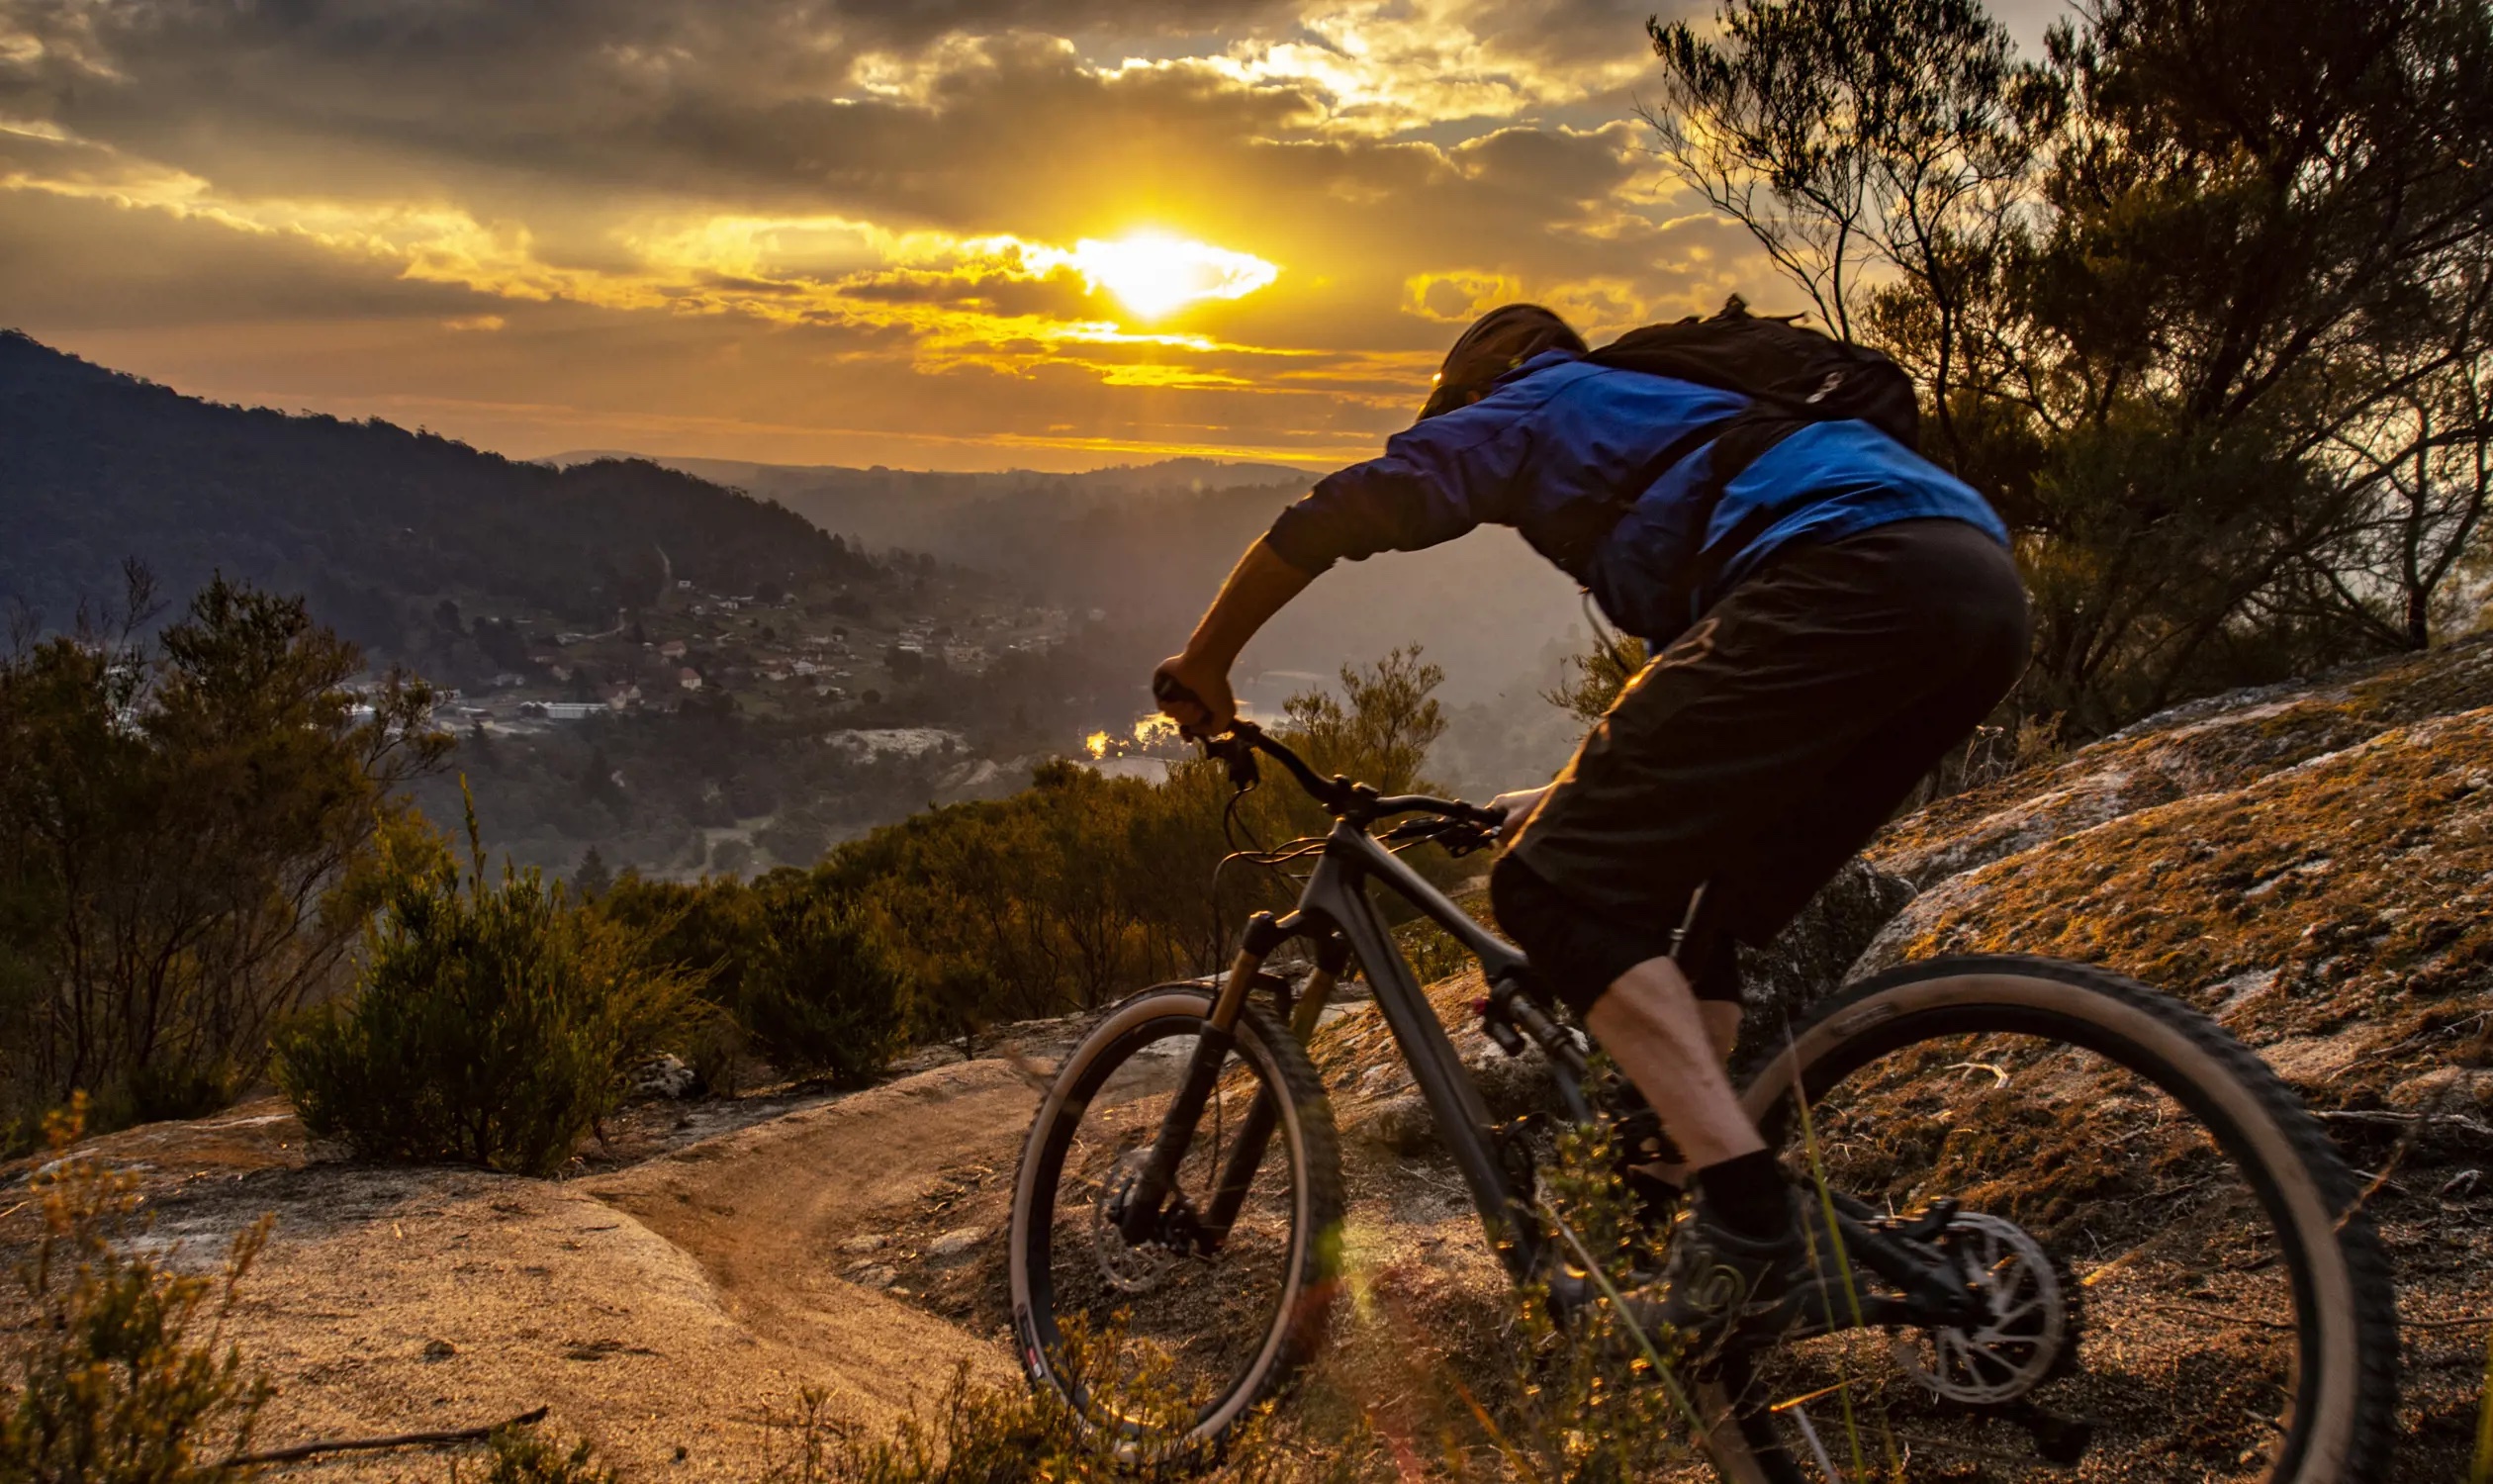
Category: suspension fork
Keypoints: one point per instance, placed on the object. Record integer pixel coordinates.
(1238, 1173)
(1139, 1221)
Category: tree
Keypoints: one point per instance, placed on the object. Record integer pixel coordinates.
(186, 842)
(2181, 300)
(591, 880)
(1866, 143)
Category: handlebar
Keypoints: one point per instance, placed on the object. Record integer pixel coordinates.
(1340, 796)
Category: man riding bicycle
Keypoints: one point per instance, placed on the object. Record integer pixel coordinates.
(1824, 625)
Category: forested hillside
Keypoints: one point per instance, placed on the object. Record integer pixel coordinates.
(1146, 544)
(372, 522)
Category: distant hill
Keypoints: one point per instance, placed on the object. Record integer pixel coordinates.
(376, 525)
(952, 514)
(1147, 545)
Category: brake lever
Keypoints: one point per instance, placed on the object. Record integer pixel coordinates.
(1239, 756)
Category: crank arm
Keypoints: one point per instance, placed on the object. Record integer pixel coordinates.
(1933, 1293)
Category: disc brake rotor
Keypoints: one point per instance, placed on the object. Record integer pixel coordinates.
(2010, 1352)
(1127, 1267)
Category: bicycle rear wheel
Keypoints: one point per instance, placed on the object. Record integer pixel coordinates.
(1219, 1321)
(2176, 1257)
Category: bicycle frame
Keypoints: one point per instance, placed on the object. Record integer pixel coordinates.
(1335, 909)
(1334, 904)
(1337, 894)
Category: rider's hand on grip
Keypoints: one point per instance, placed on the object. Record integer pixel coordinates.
(1514, 808)
(1196, 697)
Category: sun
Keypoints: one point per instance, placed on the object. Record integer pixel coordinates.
(1155, 273)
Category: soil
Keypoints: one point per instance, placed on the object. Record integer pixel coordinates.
(2307, 865)
(667, 1312)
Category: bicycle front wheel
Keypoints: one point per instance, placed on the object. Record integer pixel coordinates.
(2180, 1280)
(1164, 1345)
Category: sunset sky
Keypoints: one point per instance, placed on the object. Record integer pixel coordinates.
(964, 234)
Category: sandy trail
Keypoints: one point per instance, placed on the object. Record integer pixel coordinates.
(662, 1311)
(765, 1212)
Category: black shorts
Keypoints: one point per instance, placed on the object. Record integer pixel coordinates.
(1753, 757)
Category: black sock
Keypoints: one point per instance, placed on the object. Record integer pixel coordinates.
(1748, 1195)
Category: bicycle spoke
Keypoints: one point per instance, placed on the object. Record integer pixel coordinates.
(2053, 1153)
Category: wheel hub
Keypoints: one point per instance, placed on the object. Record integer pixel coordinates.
(2026, 1323)
(1127, 1267)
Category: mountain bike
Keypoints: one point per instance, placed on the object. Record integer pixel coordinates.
(2006, 1157)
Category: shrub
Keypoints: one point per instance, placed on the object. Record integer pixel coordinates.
(119, 1378)
(492, 1022)
(827, 998)
(796, 969)
(520, 1456)
(980, 1433)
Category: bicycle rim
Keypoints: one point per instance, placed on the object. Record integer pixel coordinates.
(2177, 1253)
(1166, 1351)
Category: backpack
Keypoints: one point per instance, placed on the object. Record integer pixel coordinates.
(1792, 376)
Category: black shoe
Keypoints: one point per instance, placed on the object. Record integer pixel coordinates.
(1717, 1282)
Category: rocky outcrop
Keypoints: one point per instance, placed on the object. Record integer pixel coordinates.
(1811, 956)
(2312, 865)
(2210, 746)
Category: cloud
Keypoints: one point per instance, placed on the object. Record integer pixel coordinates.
(901, 201)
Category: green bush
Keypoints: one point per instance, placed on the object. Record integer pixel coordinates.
(119, 1378)
(492, 1022)
(520, 1456)
(785, 959)
(826, 998)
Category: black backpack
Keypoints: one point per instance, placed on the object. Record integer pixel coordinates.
(1792, 376)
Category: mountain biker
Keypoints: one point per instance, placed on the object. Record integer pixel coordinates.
(1846, 614)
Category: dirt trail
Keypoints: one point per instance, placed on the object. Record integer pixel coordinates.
(662, 1311)
(768, 1212)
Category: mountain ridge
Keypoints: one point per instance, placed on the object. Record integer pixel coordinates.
(374, 524)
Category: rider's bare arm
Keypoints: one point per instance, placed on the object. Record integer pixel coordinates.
(1260, 585)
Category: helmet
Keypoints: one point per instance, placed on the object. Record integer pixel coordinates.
(1497, 342)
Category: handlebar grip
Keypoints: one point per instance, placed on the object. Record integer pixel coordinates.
(1166, 688)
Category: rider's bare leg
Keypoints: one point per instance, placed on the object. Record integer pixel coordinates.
(1722, 1028)
(1672, 1047)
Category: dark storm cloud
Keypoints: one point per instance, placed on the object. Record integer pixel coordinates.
(392, 97)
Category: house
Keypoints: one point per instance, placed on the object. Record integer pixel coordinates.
(689, 678)
(672, 649)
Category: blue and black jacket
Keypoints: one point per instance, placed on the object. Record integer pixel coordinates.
(1552, 451)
